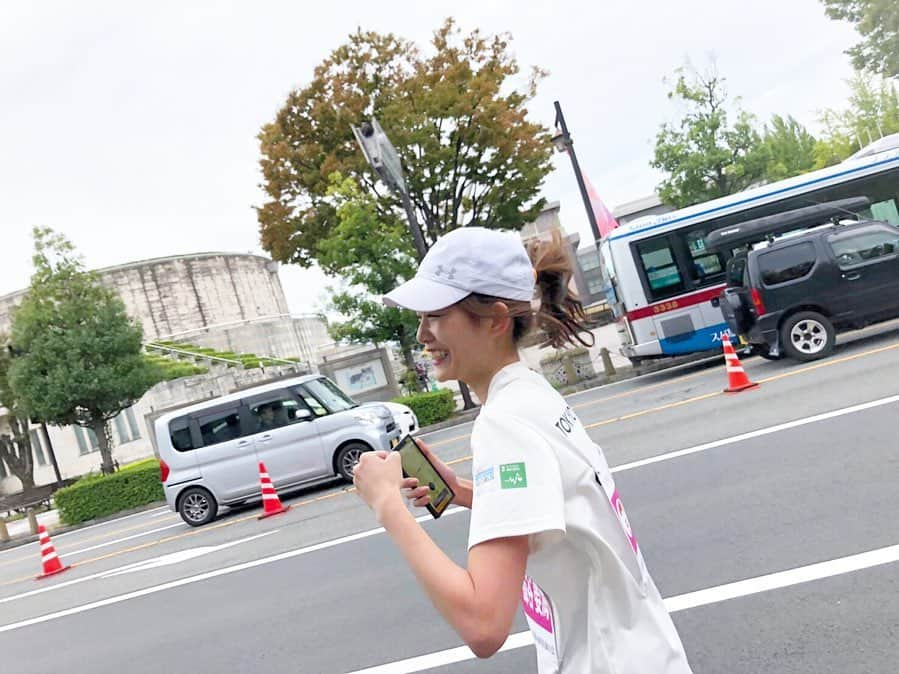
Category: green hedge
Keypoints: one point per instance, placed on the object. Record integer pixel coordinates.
(100, 495)
(430, 407)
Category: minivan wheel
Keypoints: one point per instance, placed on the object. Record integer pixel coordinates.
(197, 506)
(807, 335)
(348, 457)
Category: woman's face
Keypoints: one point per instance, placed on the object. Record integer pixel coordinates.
(456, 342)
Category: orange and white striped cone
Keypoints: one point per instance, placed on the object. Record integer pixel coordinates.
(271, 504)
(737, 380)
(49, 558)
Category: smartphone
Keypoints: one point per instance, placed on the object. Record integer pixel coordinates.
(417, 465)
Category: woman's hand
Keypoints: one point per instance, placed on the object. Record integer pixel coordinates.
(420, 495)
(378, 477)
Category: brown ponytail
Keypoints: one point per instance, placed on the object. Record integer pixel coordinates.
(560, 316)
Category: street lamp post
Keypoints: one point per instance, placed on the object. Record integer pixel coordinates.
(383, 158)
(563, 143)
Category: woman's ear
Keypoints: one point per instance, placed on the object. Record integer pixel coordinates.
(500, 319)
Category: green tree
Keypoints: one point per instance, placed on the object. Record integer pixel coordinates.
(374, 255)
(878, 23)
(78, 356)
(15, 447)
(872, 112)
(703, 155)
(456, 116)
(788, 148)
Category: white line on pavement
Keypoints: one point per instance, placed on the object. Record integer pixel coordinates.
(756, 434)
(681, 602)
(128, 567)
(189, 579)
(365, 534)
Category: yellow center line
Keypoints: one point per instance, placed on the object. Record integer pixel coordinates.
(98, 537)
(828, 363)
(175, 537)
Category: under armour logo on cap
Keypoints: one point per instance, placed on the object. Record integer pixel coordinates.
(440, 271)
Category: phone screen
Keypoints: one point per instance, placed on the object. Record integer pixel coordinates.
(416, 464)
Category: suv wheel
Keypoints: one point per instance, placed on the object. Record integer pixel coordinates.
(197, 506)
(807, 335)
(348, 457)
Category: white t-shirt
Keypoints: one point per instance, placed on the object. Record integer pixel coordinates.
(588, 598)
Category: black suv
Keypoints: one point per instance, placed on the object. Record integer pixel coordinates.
(788, 298)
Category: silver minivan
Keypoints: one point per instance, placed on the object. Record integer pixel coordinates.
(305, 429)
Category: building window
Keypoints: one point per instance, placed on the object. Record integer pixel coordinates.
(589, 260)
(595, 286)
(122, 428)
(132, 423)
(87, 440)
(37, 447)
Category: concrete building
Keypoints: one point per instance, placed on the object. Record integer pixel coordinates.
(631, 210)
(227, 301)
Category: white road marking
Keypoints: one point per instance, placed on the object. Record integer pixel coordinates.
(202, 576)
(757, 434)
(682, 602)
(365, 534)
(180, 556)
(123, 569)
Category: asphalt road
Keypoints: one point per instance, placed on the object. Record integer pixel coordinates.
(767, 518)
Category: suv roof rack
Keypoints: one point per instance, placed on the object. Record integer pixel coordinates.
(759, 229)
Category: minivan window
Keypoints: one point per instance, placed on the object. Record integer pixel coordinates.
(329, 395)
(787, 264)
(276, 409)
(179, 432)
(220, 426)
(856, 248)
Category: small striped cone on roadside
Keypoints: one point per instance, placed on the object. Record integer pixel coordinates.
(271, 504)
(737, 380)
(49, 559)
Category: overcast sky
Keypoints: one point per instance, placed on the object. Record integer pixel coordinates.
(131, 126)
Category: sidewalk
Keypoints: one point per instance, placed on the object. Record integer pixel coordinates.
(20, 527)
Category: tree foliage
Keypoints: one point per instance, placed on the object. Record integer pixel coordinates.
(373, 254)
(704, 155)
(872, 111)
(456, 116)
(787, 147)
(78, 356)
(878, 23)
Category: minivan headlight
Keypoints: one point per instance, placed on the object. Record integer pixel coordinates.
(367, 418)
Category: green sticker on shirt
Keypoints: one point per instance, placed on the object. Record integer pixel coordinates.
(513, 476)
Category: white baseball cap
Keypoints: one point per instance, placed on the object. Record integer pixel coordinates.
(468, 260)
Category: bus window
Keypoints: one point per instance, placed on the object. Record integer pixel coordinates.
(705, 262)
(660, 267)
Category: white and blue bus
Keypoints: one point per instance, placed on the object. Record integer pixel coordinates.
(661, 280)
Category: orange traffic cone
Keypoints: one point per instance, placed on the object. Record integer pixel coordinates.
(736, 376)
(49, 558)
(271, 504)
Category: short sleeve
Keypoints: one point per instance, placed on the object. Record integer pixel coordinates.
(517, 483)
